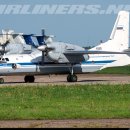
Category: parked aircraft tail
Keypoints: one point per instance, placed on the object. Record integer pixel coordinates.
(28, 40)
(40, 40)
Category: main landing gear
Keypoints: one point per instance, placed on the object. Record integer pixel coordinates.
(29, 79)
(72, 77)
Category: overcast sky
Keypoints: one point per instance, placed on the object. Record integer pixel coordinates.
(79, 27)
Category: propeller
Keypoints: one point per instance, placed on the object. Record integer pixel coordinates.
(45, 42)
(46, 47)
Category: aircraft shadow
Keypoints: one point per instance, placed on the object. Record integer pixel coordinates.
(58, 82)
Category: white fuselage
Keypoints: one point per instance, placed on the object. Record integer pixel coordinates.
(29, 64)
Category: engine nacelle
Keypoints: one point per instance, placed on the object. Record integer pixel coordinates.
(54, 56)
(61, 58)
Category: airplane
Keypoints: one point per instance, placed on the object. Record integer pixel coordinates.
(64, 58)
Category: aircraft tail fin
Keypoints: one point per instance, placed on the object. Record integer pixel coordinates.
(119, 38)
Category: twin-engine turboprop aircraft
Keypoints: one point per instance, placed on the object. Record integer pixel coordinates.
(64, 58)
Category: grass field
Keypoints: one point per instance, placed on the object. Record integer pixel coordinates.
(116, 70)
(65, 102)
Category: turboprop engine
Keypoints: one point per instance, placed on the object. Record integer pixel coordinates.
(56, 52)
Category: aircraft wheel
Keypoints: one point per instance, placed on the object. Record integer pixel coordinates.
(1, 80)
(29, 79)
(72, 78)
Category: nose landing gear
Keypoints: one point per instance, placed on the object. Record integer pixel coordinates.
(1, 80)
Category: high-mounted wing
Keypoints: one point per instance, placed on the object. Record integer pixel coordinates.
(92, 52)
(79, 56)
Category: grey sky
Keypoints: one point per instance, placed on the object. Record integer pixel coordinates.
(80, 29)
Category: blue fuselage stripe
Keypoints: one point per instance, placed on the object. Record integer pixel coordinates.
(98, 62)
(85, 62)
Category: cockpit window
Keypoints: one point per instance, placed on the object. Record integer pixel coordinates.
(4, 59)
(7, 59)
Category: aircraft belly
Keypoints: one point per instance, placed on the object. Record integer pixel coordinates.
(67, 69)
(53, 69)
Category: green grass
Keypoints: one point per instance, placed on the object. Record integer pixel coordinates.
(116, 70)
(65, 102)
